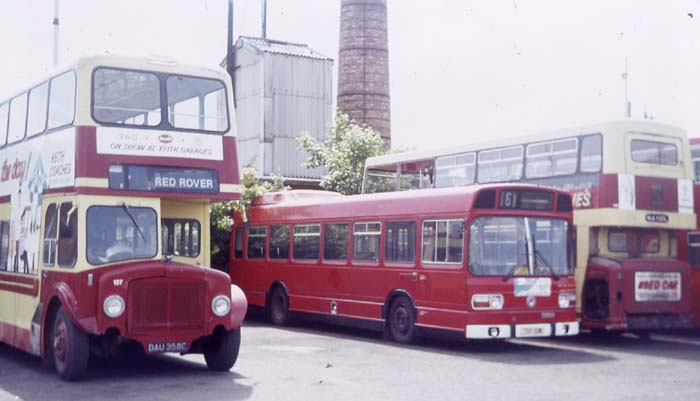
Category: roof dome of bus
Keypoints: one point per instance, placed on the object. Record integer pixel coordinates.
(272, 198)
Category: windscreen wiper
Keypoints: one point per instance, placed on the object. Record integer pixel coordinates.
(133, 220)
(546, 264)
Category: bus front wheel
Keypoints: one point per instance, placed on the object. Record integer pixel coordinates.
(70, 348)
(278, 307)
(221, 351)
(402, 321)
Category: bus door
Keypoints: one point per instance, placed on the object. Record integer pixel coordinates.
(441, 281)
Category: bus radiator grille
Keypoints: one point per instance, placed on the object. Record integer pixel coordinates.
(166, 304)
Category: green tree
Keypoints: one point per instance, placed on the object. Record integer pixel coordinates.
(343, 154)
(221, 213)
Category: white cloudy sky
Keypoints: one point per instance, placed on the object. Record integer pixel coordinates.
(461, 70)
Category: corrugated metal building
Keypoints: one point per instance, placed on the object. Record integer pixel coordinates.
(281, 90)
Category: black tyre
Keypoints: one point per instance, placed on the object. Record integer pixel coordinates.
(221, 351)
(402, 321)
(278, 307)
(70, 348)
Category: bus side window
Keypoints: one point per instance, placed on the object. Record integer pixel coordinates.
(307, 241)
(238, 244)
(365, 243)
(4, 115)
(18, 118)
(443, 241)
(67, 236)
(591, 154)
(62, 100)
(400, 242)
(279, 242)
(335, 241)
(257, 237)
(50, 234)
(38, 105)
(4, 243)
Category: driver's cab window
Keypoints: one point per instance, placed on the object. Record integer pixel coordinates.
(120, 233)
(60, 235)
(67, 235)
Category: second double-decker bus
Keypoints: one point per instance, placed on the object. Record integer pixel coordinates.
(107, 170)
(489, 262)
(689, 241)
(632, 192)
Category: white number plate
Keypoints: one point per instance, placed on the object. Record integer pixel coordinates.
(533, 330)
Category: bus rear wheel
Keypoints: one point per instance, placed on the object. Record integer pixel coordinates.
(278, 307)
(221, 351)
(402, 321)
(70, 348)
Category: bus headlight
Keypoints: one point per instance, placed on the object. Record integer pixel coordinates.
(221, 305)
(113, 306)
(567, 300)
(487, 301)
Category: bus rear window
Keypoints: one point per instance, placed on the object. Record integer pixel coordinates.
(654, 152)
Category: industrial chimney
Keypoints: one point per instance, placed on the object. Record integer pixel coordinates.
(363, 65)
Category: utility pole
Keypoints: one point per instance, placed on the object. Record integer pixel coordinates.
(55, 32)
(230, 56)
(264, 19)
(628, 104)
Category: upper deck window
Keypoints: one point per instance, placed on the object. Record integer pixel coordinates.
(654, 152)
(18, 118)
(38, 103)
(197, 103)
(455, 170)
(379, 181)
(546, 159)
(591, 154)
(498, 165)
(126, 97)
(4, 115)
(62, 100)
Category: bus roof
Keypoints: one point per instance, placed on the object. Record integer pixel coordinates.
(334, 205)
(645, 126)
(133, 62)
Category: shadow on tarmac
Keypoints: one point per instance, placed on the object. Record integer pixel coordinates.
(133, 377)
(447, 343)
(669, 345)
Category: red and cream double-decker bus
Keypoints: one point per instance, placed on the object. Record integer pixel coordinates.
(689, 241)
(631, 184)
(108, 168)
(489, 262)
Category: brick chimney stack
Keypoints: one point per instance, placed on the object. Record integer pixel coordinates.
(363, 65)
